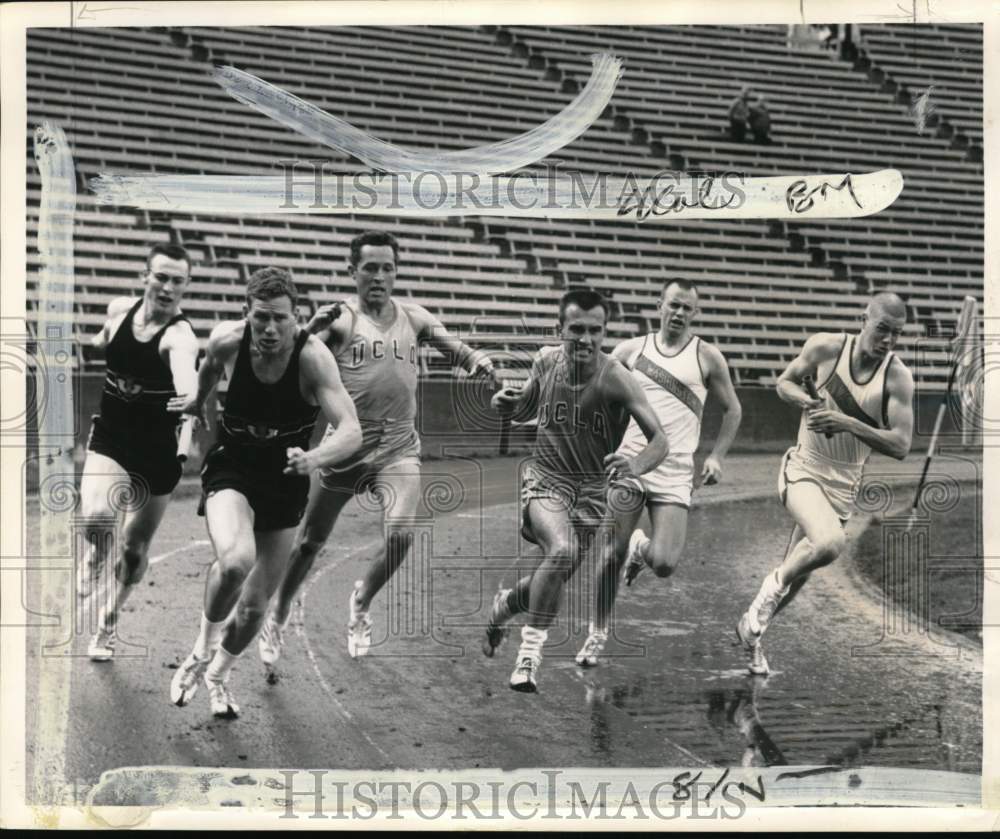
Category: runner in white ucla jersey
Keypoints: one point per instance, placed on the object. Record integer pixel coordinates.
(865, 404)
(676, 370)
(376, 341)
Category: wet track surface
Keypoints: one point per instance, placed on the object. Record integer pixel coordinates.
(672, 690)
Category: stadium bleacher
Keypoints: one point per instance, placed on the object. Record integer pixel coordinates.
(142, 100)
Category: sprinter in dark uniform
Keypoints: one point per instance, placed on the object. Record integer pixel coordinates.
(583, 400)
(255, 479)
(132, 450)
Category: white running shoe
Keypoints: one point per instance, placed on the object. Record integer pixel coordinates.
(496, 630)
(221, 700)
(634, 563)
(359, 627)
(184, 685)
(270, 641)
(525, 676)
(592, 648)
(750, 641)
(102, 645)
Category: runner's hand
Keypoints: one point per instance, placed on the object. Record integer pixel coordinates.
(711, 472)
(505, 401)
(325, 315)
(618, 466)
(828, 422)
(188, 404)
(300, 462)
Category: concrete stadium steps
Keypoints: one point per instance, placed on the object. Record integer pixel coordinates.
(139, 100)
(956, 72)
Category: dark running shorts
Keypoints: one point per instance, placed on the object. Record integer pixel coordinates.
(150, 458)
(277, 501)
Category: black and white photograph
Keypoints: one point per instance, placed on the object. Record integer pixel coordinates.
(475, 417)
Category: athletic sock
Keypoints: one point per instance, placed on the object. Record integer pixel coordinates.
(209, 638)
(222, 663)
(532, 641)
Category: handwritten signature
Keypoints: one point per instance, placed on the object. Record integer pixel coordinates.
(799, 196)
(685, 782)
(657, 200)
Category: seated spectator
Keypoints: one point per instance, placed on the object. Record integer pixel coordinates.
(739, 114)
(760, 120)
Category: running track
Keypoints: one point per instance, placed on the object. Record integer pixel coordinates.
(673, 692)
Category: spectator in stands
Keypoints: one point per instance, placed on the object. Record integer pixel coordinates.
(749, 112)
(760, 120)
(739, 114)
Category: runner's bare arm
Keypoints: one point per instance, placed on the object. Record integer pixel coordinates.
(894, 441)
(823, 346)
(623, 389)
(627, 350)
(521, 404)
(116, 308)
(223, 344)
(720, 386)
(435, 333)
(181, 347)
(331, 324)
(319, 370)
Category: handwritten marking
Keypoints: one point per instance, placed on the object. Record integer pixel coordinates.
(799, 197)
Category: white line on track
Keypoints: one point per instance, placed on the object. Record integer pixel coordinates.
(300, 630)
(185, 547)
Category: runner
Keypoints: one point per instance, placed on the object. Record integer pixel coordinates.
(676, 370)
(376, 340)
(583, 400)
(255, 479)
(151, 355)
(865, 403)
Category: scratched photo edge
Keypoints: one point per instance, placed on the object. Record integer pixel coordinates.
(13, 307)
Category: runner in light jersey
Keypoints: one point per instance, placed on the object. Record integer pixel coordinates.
(865, 404)
(676, 370)
(582, 399)
(376, 340)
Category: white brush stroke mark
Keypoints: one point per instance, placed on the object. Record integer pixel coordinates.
(661, 198)
(505, 156)
(528, 790)
(175, 551)
(55, 462)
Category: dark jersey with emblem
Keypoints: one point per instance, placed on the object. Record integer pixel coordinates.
(577, 425)
(138, 383)
(260, 421)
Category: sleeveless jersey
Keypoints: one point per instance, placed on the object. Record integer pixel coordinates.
(138, 382)
(261, 420)
(865, 401)
(379, 367)
(675, 388)
(577, 426)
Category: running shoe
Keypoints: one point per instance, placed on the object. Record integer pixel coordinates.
(221, 700)
(184, 685)
(592, 648)
(750, 641)
(359, 627)
(270, 641)
(525, 676)
(496, 630)
(634, 563)
(102, 645)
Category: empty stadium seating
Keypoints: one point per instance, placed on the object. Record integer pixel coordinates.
(143, 100)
